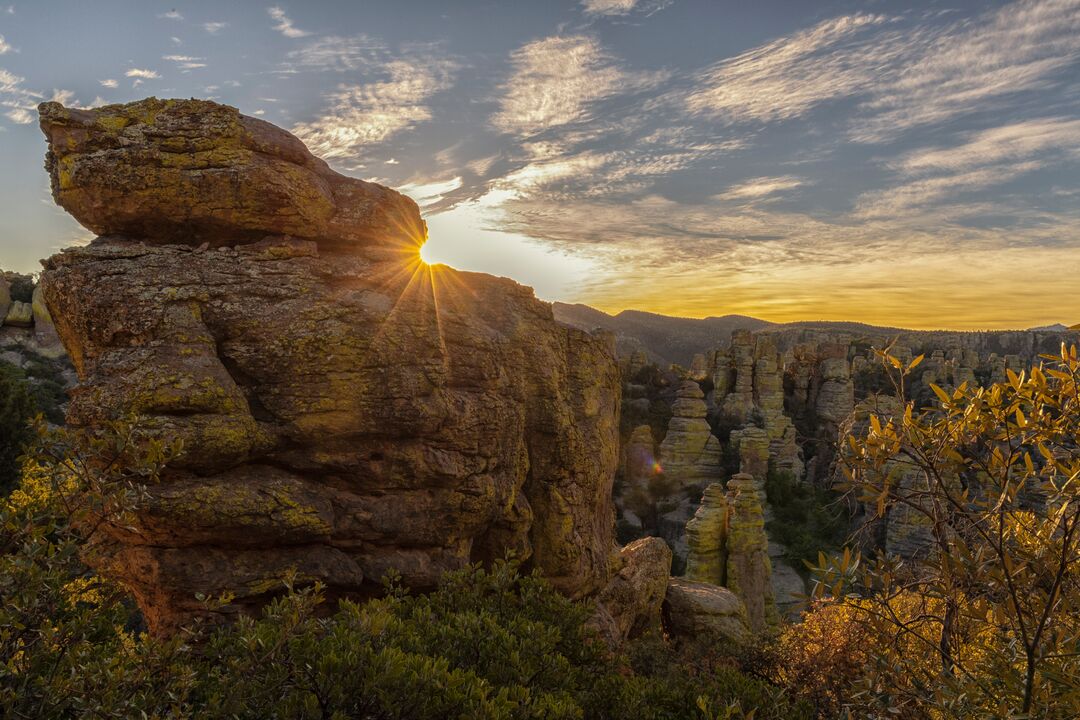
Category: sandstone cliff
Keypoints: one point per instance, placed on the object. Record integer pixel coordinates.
(345, 409)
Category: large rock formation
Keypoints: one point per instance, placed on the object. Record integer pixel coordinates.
(345, 409)
(748, 391)
(690, 453)
(728, 547)
(188, 171)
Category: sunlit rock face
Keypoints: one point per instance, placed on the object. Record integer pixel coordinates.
(192, 171)
(345, 409)
(729, 547)
(690, 453)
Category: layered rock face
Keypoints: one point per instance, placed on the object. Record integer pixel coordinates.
(820, 396)
(729, 547)
(345, 409)
(189, 171)
(748, 390)
(630, 604)
(690, 452)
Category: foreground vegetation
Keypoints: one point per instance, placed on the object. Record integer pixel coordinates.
(487, 644)
(984, 623)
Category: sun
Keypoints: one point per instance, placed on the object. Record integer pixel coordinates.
(426, 254)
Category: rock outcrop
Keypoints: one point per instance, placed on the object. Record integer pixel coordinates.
(345, 409)
(728, 547)
(189, 172)
(44, 329)
(706, 536)
(19, 315)
(690, 453)
(701, 612)
(629, 605)
(748, 391)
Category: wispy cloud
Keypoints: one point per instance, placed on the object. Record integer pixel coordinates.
(369, 113)
(1016, 141)
(985, 159)
(429, 193)
(285, 24)
(787, 77)
(5, 46)
(557, 80)
(171, 15)
(20, 115)
(761, 187)
(608, 7)
(338, 53)
(1023, 46)
(902, 73)
(17, 100)
(142, 74)
(621, 7)
(215, 27)
(185, 62)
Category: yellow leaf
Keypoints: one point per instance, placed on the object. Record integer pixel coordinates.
(942, 395)
(914, 363)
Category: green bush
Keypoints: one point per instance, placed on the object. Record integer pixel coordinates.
(17, 407)
(22, 287)
(806, 519)
(488, 643)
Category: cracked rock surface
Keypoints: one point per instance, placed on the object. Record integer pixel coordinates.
(345, 409)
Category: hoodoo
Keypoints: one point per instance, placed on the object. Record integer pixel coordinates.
(345, 409)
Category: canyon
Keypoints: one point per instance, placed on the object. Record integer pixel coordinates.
(347, 411)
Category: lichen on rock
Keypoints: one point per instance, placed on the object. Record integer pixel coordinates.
(346, 410)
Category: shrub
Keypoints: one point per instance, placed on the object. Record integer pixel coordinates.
(22, 287)
(488, 643)
(806, 519)
(16, 410)
(986, 621)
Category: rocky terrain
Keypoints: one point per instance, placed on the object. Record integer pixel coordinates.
(772, 407)
(30, 346)
(345, 410)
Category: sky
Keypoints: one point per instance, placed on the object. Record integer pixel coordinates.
(912, 164)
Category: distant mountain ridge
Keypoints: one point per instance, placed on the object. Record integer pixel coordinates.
(670, 339)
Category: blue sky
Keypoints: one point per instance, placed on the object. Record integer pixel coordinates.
(911, 163)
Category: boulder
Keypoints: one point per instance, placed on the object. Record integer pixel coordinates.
(697, 611)
(345, 409)
(630, 604)
(20, 315)
(192, 171)
(44, 329)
